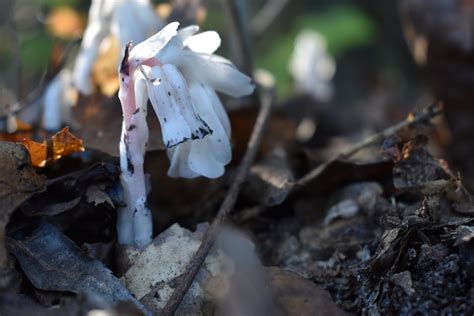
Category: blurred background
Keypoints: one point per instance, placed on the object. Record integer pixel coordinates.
(351, 66)
(365, 38)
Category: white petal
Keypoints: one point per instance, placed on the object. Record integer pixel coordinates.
(124, 29)
(150, 47)
(220, 110)
(93, 36)
(218, 72)
(171, 53)
(100, 10)
(173, 125)
(57, 102)
(187, 32)
(134, 21)
(179, 91)
(218, 143)
(202, 161)
(97, 29)
(141, 94)
(179, 166)
(52, 105)
(206, 42)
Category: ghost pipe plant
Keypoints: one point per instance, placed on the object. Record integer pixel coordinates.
(125, 20)
(58, 99)
(179, 73)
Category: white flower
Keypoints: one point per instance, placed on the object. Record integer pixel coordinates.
(126, 20)
(311, 65)
(58, 100)
(179, 73)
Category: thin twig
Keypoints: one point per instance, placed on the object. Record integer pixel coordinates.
(267, 15)
(425, 115)
(239, 20)
(226, 207)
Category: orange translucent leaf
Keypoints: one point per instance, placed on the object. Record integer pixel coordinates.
(38, 152)
(64, 143)
(65, 22)
(61, 144)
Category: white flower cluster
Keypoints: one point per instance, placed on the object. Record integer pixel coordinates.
(178, 72)
(126, 20)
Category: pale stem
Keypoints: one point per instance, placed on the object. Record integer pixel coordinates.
(134, 225)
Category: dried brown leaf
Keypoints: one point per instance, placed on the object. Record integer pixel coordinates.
(417, 166)
(64, 143)
(19, 182)
(53, 262)
(38, 152)
(96, 195)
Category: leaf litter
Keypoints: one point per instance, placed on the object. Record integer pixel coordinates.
(374, 236)
(382, 226)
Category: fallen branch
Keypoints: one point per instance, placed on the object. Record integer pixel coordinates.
(425, 115)
(226, 207)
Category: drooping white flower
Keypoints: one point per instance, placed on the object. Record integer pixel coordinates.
(178, 72)
(126, 20)
(181, 76)
(311, 66)
(58, 100)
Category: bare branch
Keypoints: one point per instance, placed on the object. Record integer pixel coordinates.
(227, 205)
(425, 115)
(240, 29)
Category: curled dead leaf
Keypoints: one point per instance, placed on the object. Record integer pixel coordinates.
(38, 152)
(62, 144)
(65, 143)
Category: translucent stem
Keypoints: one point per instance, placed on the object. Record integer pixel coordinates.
(134, 225)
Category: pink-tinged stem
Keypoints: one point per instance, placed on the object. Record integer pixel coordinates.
(134, 226)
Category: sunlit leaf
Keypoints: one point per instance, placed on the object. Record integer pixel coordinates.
(64, 143)
(38, 152)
